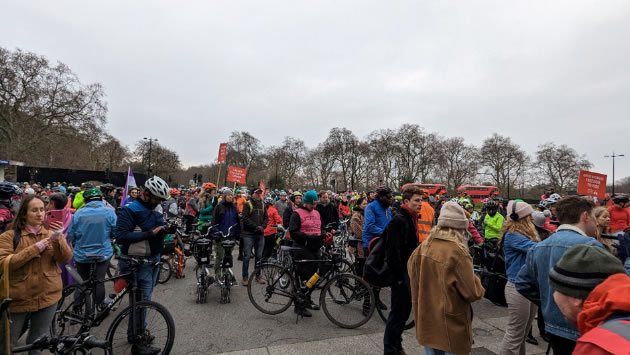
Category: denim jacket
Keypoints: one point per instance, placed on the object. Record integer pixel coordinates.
(533, 278)
(515, 248)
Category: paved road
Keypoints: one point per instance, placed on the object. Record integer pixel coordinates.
(216, 328)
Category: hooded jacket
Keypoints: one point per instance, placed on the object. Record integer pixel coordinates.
(619, 218)
(274, 220)
(90, 231)
(598, 322)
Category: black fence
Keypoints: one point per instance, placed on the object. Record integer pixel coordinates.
(76, 177)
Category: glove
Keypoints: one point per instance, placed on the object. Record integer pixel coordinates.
(329, 239)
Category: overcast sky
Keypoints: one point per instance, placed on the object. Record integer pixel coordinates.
(190, 72)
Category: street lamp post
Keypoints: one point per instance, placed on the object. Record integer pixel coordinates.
(613, 156)
(151, 140)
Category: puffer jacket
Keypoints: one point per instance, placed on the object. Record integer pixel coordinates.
(34, 277)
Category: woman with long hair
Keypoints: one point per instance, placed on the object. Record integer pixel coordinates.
(356, 225)
(603, 227)
(34, 277)
(518, 235)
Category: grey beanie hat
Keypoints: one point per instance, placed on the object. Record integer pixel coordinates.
(581, 268)
(452, 215)
(539, 219)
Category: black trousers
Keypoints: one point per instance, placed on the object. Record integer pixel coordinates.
(270, 242)
(100, 270)
(401, 308)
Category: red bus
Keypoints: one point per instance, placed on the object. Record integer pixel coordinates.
(432, 189)
(478, 193)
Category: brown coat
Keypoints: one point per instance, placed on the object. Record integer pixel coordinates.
(356, 226)
(34, 277)
(443, 285)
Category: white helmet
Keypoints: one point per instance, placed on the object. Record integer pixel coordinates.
(554, 197)
(29, 191)
(157, 187)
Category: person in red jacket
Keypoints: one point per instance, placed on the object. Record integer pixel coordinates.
(271, 228)
(594, 298)
(619, 214)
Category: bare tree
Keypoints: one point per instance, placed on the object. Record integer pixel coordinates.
(163, 160)
(382, 149)
(38, 100)
(458, 162)
(560, 165)
(323, 162)
(502, 160)
(344, 145)
(416, 152)
(293, 152)
(243, 150)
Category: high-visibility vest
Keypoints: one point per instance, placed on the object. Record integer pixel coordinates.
(425, 221)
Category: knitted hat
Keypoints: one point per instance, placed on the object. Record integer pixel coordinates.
(227, 191)
(581, 269)
(452, 215)
(522, 209)
(310, 197)
(539, 219)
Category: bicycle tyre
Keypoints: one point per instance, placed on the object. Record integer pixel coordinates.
(359, 290)
(60, 324)
(384, 295)
(165, 272)
(273, 275)
(122, 343)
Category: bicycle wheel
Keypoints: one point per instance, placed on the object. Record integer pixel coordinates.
(158, 330)
(177, 269)
(70, 315)
(165, 271)
(344, 266)
(225, 288)
(347, 301)
(384, 306)
(276, 295)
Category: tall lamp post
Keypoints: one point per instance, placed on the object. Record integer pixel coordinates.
(151, 140)
(613, 156)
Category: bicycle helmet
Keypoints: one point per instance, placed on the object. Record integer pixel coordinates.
(75, 190)
(555, 197)
(157, 187)
(491, 204)
(92, 194)
(620, 199)
(29, 191)
(209, 186)
(107, 187)
(7, 190)
(87, 185)
(268, 200)
(174, 192)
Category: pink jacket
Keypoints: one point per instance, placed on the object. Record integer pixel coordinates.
(473, 232)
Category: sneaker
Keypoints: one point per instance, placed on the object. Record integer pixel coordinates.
(244, 282)
(312, 305)
(531, 340)
(144, 350)
(303, 312)
(147, 337)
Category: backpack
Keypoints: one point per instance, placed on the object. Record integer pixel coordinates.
(376, 271)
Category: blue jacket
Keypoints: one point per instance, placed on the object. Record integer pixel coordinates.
(134, 230)
(533, 278)
(90, 231)
(376, 219)
(515, 248)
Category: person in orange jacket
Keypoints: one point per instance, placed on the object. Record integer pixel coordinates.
(240, 201)
(619, 214)
(271, 229)
(425, 219)
(594, 298)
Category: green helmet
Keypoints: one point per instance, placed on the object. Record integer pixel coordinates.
(92, 194)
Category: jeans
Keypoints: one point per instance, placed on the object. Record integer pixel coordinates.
(429, 351)
(520, 316)
(146, 276)
(257, 241)
(40, 325)
(99, 293)
(401, 308)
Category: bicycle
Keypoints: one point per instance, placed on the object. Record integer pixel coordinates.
(202, 250)
(343, 295)
(226, 279)
(76, 315)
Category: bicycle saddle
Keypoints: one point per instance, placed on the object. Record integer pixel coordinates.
(228, 243)
(94, 257)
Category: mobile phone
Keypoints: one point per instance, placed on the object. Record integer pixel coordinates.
(53, 216)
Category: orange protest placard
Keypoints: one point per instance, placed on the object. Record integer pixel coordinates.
(237, 175)
(592, 184)
(222, 152)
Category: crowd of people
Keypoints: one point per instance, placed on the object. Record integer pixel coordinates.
(565, 258)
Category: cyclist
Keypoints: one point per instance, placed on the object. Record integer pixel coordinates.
(619, 214)
(281, 204)
(307, 233)
(171, 209)
(327, 210)
(344, 207)
(132, 192)
(109, 193)
(239, 200)
(377, 215)
(492, 222)
(192, 209)
(78, 200)
(254, 222)
(207, 202)
(225, 216)
(7, 191)
(294, 202)
(140, 232)
(90, 231)
(272, 227)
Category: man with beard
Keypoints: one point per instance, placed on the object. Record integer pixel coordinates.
(327, 210)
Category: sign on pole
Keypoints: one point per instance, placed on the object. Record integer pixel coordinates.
(222, 152)
(237, 175)
(592, 184)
